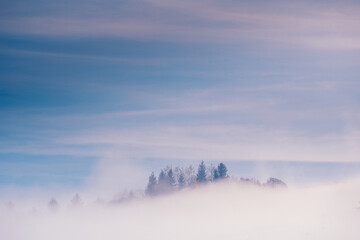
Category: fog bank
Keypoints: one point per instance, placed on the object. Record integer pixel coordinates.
(216, 211)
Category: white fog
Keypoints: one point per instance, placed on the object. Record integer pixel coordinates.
(215, 211)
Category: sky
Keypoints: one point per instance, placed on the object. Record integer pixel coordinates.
(93, 92)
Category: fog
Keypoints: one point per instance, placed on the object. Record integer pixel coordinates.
(214, 211)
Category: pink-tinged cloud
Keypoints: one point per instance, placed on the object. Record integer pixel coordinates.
(305, 25)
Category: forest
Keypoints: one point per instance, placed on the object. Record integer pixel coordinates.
(173, 179)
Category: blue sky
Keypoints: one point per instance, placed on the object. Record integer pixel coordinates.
(90, 91)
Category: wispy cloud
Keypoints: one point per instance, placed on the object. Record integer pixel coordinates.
(87, 57)
(308, 25)
(229, 124)
(224, 143)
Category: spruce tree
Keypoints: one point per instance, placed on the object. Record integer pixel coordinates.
(163, 183)
(181, 181)
(76, 200)
(222, 171)
(53, 205)
(170, 178)
(201, 174)
(216, 175)
(151, 187)
(162, 178)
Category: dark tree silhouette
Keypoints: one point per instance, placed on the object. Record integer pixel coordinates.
(170, 178)
(162, 186)
(162, 178)
(53, 205)
(181, 181)
(201, 174)
(151, 187)
(222, 170)
(216, 175)
(189, 174)
(275, 183)
(76, 200)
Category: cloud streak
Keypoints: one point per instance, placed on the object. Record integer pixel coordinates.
(213, 124)
(307, 25)
(225, 142)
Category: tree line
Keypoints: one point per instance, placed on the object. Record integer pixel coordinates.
(170, 179)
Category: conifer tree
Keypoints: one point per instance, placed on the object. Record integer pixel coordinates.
(151, 187)
(163, 183)
(170, 178)
(189, 174)
(53, 205)
(201, 174)
(76, 200)
(162, 178)
(216, 175)
(181, 181)
(222, 170)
